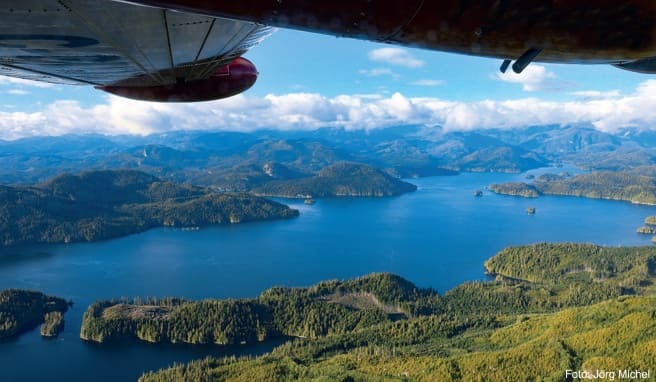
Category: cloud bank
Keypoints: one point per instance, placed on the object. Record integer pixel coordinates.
(607, 111)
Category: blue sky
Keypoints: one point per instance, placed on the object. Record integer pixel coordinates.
(309, 81)
(333, 66)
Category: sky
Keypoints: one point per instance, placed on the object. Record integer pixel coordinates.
(308, 81)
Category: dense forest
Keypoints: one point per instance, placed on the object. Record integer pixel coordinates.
(98, 205)
(22, 310)
(631, 269)
(613, 335)
(552, 307)
(636, 186)
(327, 308)
(340, 179)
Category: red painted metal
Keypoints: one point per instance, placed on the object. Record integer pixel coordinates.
(226, 81)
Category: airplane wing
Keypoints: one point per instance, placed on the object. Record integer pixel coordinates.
(618, 32)
(190, 50)
(135, 51)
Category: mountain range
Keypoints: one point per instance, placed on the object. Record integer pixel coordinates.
(244, 161)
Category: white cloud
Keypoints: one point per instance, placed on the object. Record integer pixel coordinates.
(533, 78)
(378, 72)
(304, 111)
(426, 82)
(17, 92)
(395, 56)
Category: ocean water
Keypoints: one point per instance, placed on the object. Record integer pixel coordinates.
(436, 237)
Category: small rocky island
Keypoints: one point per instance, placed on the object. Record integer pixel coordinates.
(649, 228)
(530, 210)
(53, 325)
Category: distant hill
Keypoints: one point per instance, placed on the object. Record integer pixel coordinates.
(220, 159)
(340, 179)
(245, 177)
(499, 159)
(583, 145)
(235, 161)
(98, 205)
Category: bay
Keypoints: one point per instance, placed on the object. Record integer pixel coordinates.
(436, 237)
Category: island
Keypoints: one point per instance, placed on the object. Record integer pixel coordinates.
(339, 179)
(23, 310)
(53, 325)
(635, 186)
(546, 305)
(515, 189)
(478, 193)
(103, 204)
(530, 210)
(650, 226)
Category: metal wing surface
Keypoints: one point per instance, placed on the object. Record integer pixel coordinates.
(112, 43)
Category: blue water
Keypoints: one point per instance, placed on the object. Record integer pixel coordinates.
(436, 237)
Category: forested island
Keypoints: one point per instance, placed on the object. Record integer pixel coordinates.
(97, 205)
(22, 310)
(550, 308)
(635, 186)
(53, 324)
(650, 226)
(340, 179)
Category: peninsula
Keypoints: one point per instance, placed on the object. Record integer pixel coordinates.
(328, 308)
(635, 186)
(98, 205)
(340, 179)
(22, 310)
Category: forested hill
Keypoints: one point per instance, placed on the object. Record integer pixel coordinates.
(553, 307)
(98, 205)
(629, 269)
(636, 186)
(332, 307)
(340, 179)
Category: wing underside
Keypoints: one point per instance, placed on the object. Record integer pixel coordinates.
(110, 43)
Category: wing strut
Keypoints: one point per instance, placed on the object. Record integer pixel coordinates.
(525, 59)
(505, 65)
